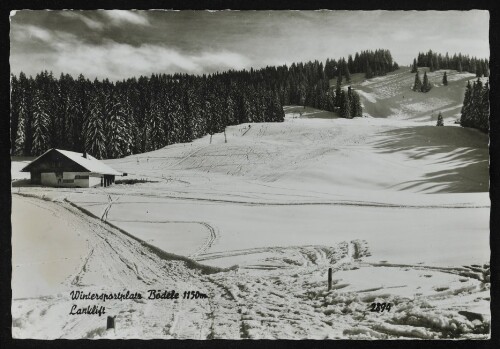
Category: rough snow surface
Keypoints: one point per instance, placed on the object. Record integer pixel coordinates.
(397, 207)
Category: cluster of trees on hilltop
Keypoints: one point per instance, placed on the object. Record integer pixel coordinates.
(436, 61)
(372, 63)
(476, 108)
(420, 86)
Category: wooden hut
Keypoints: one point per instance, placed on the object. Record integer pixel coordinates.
(62, 168)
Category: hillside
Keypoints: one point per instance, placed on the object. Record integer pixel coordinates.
(391, 96)
(395, 205)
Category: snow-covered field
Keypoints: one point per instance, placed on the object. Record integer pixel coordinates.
(397, 207)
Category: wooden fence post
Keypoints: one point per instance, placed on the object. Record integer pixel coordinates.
(111, 322)
(329, 279)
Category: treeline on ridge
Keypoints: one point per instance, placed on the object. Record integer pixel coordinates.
(461, 63)
(115, 119)
(372, 63)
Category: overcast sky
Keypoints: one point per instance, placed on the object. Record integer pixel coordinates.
(121, 44)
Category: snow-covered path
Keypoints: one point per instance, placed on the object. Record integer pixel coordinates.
(115, 263)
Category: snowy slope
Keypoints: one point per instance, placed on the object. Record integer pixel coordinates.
(396, 206)
(392, 96)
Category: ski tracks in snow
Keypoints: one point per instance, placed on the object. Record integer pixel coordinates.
(104, 216)
(212, 236)
(278, 292)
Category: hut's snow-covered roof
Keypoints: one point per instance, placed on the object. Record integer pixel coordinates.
(90, 163)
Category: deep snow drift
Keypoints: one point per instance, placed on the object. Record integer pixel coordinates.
(397, 207)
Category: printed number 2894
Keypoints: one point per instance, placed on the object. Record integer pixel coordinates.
(380, 307)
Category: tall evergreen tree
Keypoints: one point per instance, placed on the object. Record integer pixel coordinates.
(338, 93)
(476, 110)
(465, 119)
(117, 130)
(479, 70)
(368, 71)
(347, 73)
(483, 123)
(414, 66)
(435, 62)
(24, 137)
(355, 104)
(486, 69)
(345, 105)
(93, 128)
(426, 86)
(15, 111)
(41, 121)
(417, 85)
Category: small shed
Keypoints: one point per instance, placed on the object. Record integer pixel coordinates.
(63, 168)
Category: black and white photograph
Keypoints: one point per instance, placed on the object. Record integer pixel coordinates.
(222, 174)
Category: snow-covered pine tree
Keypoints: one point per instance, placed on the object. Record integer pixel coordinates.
(62, 108)
(414, 66)
(15, 111)
(18, 147)
(476, 110)
(345, 105)
(24, 137)
(93, 127)
(472, 66)
(368, 71)
(426, 86)
(212, 117)
(486, 68)
(187, 119)
(81, 106)
(70, 119)
(440, 120)
(483, 124)
(173, 116)
(54, 108)
(338, 93)
(228, 114)
(350, 63)
(278, 112)
(157, 137)
(352, 107)
(356, 110)
(479, 70)
(129, 105)
(41, 121)
(465, 118)
(347, 73)
(417, 85)
(117, 130)
(436, 64)
(330, 100)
